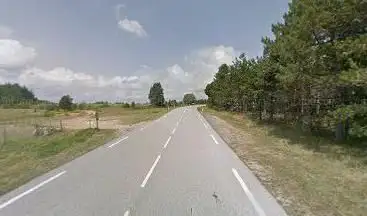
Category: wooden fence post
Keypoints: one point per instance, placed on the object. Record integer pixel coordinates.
(97, 120)
(61, 125)
(4, 137)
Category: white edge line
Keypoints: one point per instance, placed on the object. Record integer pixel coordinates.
(205, 125)
(165, 145)
(117, 142)
(127, 213)
(3, 205)
(216, 142)
(150, 172)
(251, 197)
(202, 120)
(174, 130)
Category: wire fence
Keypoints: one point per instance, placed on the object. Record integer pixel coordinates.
(22, 129)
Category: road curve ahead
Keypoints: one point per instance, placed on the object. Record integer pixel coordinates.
(176, 165)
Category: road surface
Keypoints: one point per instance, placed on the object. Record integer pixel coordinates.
(176, 165)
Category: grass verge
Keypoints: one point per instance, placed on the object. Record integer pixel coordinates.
(128, 116)
(308, 175)
(23, 159)
(19, 114)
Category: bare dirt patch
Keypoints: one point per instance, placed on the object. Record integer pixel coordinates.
(111, 118)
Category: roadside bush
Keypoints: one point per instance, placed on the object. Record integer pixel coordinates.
(22, 106)
(354, 117)
(51, 107)
(6, 106)
(105, 105)
(82, 106)
(74, 106)
(50, 113)
(126, 105)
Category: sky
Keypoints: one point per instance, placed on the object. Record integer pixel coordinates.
(115, 50)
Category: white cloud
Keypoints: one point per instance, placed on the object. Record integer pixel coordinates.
(60, 75)
(14, 55)
(191, 75)
(143, 66)
(132, 26)
(2, 79)
(197, 70)
(59, 81)
(5, 32)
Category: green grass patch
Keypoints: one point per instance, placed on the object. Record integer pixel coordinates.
(19, 114)
(129, 116)
(23, 159)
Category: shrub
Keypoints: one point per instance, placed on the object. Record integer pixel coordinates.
(66, 102)
(82, 106)
(354, 117)
(49, 113)
(126, 105)
(51, 107)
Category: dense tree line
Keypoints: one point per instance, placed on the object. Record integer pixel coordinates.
(312, 71)
(15, 93)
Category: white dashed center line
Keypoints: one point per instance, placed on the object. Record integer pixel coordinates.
(174, 130)
(150, 172)
(165, 145)
(127, 213)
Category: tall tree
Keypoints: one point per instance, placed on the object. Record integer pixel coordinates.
(156, 95)
(313, 68)
(189, 98)
(66, 102)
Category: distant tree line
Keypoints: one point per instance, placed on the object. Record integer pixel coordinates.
(16, 96)
(156, 98)
(312, 71)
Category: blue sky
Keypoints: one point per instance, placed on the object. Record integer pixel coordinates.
(100, 53)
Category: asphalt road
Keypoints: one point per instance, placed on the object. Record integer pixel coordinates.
(176, 165)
